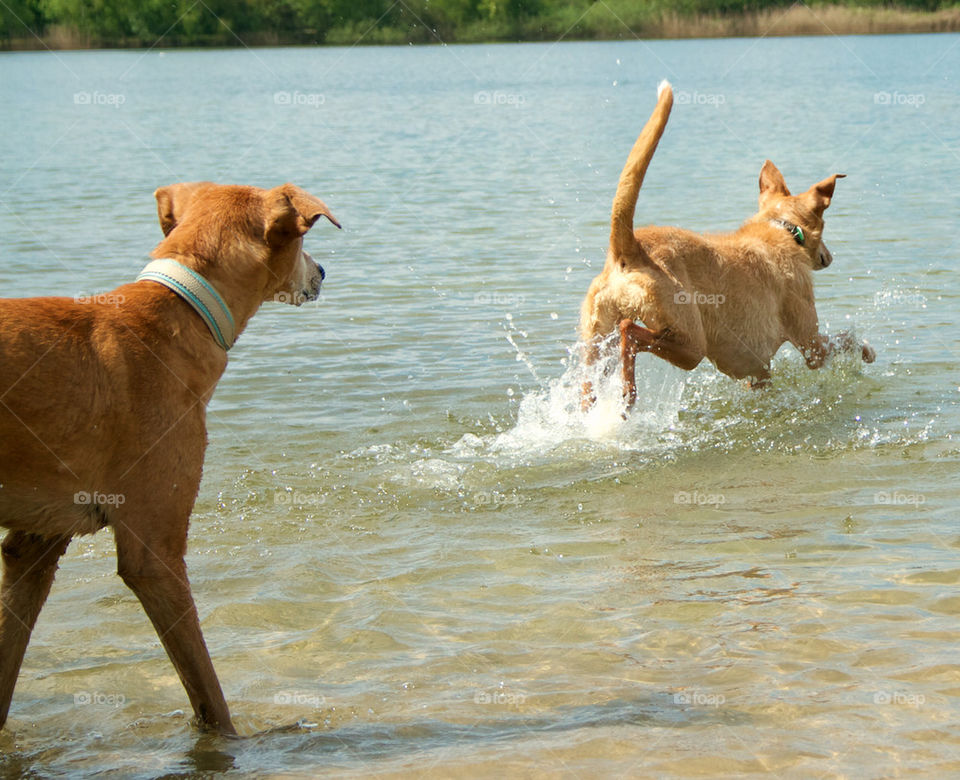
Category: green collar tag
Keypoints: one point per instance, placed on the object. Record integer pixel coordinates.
(793, 230)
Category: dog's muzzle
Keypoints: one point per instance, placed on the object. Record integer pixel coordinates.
(317, 281)
(824, 256)
(311, 289)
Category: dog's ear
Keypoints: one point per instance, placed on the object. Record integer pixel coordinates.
(173, 200)
(821, 193)
(771, 181)
(291, 212)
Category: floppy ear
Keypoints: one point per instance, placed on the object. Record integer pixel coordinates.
(821, 193)
(291, 212)
(771, 180)
(172, 202)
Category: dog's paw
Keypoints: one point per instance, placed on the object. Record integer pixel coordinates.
(868, 353)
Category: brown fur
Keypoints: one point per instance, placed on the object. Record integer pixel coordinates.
(733, 299)
(110, 397)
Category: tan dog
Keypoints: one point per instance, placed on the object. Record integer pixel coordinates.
(102, 414)
(733, 299)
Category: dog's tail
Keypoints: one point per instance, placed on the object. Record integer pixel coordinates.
(622, 240)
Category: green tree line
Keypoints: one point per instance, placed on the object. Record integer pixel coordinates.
(229, 22)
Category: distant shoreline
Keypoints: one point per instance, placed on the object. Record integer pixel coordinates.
(797, 20)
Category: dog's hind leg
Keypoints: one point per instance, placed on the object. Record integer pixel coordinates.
(29, 565)
(633, 338)
(591, 353)
(760, 380)
(154, 569)
(598, 317)
(663, 343)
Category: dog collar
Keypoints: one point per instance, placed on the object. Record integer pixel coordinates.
(793, 230)
(199, 293)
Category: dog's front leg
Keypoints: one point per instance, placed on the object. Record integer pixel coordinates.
(158, 577)
(845, 342)
(29, 565)
(821, 347)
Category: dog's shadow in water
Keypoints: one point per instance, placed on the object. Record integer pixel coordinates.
(353, 746)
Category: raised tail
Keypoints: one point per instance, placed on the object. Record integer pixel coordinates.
(622, 240)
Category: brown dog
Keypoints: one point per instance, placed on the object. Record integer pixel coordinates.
(733, 299)
(103, 404)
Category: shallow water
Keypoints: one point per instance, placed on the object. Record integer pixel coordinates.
(411, 553)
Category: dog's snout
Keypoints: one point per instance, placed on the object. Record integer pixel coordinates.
(308, 258)
(825, 257)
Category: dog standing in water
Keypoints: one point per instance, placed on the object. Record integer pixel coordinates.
(733, 299)
(103, 411)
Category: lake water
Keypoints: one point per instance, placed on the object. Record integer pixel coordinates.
(411, 554)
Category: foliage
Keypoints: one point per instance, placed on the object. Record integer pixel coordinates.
(229, 22)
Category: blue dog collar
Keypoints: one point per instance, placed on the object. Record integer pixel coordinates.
(199, 293)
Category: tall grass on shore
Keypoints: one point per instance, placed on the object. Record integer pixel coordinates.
(68, 24)
(608, 22)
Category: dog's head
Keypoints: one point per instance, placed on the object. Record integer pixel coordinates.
(804, 211)
(254, 236)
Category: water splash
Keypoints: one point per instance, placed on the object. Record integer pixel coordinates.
(551, 415)
(801, 411)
